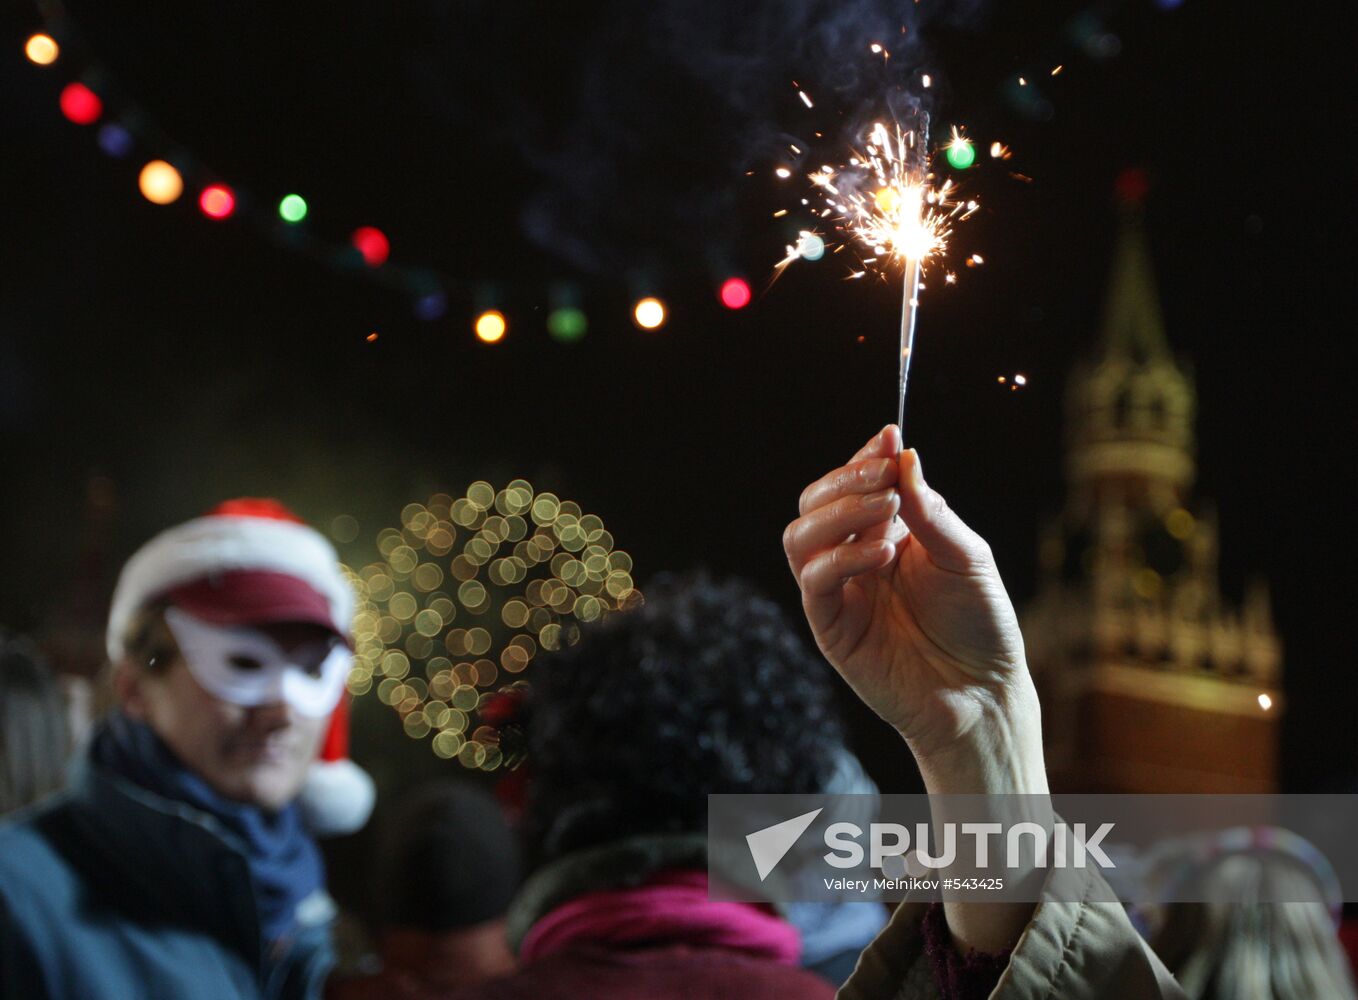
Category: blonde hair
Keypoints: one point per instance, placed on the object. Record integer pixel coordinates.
(1240, 944)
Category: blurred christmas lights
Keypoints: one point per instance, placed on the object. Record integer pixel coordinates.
(735, 293)
(160, 183)
(567, 324)
(372, 245)
(292, 208)
(491, 326)
(649, 313)
(217, 201)
(115, 140)
(960, 152)
(41, 49)
(429, 291)
(810, 247)
(80, 104)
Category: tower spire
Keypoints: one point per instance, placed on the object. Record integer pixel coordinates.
(1133, 327)
(1131, 406)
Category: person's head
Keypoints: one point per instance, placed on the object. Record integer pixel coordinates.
(33, 735)
(448, 867)
(228, 639)
(1241, 944)
(705, 688)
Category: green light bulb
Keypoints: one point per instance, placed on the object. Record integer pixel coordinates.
(292, 208)
(961, 154)
(567, 324)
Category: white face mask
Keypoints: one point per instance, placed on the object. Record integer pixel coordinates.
(244, 666)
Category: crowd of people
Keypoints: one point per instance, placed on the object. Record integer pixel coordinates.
(173, 854)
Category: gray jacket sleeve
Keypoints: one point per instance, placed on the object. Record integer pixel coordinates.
(1070, 951)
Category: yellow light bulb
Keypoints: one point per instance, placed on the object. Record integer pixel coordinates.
(491, 326)
(649, 314)
(160, 183)
(42, 49)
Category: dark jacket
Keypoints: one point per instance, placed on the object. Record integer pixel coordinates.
(110, 892)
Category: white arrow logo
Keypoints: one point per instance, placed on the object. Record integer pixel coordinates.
(769, 845)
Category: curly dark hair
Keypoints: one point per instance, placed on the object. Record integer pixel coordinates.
(705, 688)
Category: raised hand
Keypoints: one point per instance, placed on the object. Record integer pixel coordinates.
(912, 612)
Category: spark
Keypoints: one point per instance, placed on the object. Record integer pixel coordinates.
(805, 100)
(1023, 82)
(1020, 379)
(999, 151)
(927, 80)
(885, 201)
(1057, 70)
(1265, 702)
(783, 172)
(876, 49)
(950, 278)
(780, 213)
(975, 260)
(794, 149)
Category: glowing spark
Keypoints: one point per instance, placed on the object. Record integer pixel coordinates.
(1023, 82)
(1020, 379)
(950, 278)
(805, 100)
(975, 260)
(780, 213)
(1057, 70)
(885, 198)
(927, 80)
(1000, 151)
(876, 49)
(783, 172)
(1265, 702)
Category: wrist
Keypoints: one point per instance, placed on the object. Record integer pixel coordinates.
(1001, 754)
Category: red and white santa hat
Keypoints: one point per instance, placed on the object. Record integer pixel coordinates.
(252, 562)
(245, 562)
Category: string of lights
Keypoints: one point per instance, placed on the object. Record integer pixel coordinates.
(171, 175)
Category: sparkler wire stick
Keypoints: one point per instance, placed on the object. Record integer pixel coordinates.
(909, 312)
(914, 265)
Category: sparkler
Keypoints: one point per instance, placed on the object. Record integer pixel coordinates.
(885, 198)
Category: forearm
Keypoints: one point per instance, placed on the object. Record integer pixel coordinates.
(1003, 758)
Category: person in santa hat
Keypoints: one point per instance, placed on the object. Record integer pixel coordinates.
(180, 862)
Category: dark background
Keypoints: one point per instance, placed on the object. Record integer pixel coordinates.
(152, 362)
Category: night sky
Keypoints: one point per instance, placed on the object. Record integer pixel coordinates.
(172, 361)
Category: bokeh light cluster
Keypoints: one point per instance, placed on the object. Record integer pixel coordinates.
(466, 593)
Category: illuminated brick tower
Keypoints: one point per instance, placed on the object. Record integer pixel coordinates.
(1150, 682)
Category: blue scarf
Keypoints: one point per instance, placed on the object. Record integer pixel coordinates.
(285, 864)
